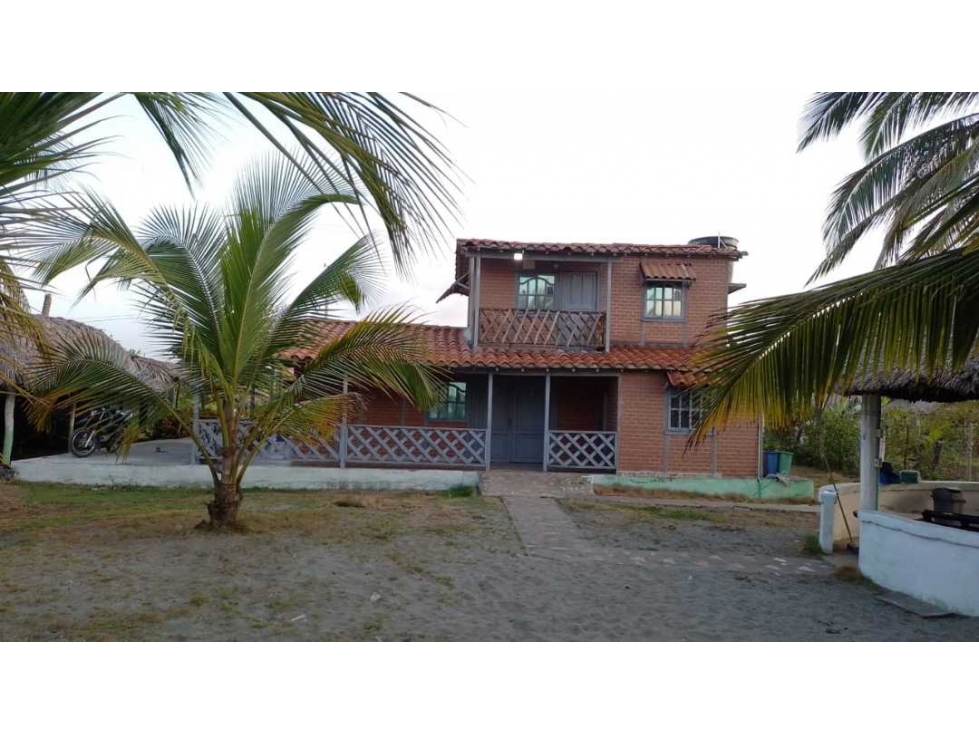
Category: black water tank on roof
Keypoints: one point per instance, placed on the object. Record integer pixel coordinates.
(716, 241)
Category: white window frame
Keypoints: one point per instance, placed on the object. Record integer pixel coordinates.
(677, 300)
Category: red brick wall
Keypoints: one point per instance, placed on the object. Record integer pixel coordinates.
(644, 444)
(384, 410)
(581, 403)
(706, 295)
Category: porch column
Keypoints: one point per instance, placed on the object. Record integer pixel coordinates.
(489, 419)
(608, 305)
(547, 415)
(618, 419)
(474, 294)
(195, 418)
(8, 427)
(343, 428)
(869, 450)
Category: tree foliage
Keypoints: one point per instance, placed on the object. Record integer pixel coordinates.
(213, 289)
(918, 311)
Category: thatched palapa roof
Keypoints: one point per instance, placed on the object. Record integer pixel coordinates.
(18, 353)
(944, 386)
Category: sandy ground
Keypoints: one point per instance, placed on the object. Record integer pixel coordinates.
(398, 567)
(690, 530)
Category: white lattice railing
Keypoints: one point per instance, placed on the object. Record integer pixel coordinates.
(276, 448)
(581, 449)
(416, 445)
(541, 328)
(369, 445)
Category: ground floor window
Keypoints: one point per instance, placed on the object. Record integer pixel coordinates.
(685, 410)
(453, 404)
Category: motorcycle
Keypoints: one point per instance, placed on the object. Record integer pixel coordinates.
(102, 427)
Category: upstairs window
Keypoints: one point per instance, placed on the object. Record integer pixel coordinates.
(535, 292)
(685, 410)
(453, 405)
(664, 301)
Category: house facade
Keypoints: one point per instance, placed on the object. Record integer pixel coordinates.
(574, 358)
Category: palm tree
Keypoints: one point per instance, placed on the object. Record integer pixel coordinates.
(213, 289)
(918, 310)
(369, 141)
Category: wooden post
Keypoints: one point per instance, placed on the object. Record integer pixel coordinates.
(713, 451)
(547, 416)
(608, 305)
(195, 401)
(474, 293)
(8, 427)
(71, 425)
(489, 419)
(343, 429)
(761, 446)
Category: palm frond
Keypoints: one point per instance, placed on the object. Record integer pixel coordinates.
(786, 356)
(907, 182)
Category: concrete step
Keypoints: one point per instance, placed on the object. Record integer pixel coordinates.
(522, 483)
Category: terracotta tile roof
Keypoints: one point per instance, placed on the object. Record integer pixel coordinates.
(613, 249)
(448, 348)
(656, 270)
(683, 379)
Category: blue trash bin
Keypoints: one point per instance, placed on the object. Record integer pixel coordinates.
(770, 459)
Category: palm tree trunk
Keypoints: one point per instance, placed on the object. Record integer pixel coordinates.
(223, 509)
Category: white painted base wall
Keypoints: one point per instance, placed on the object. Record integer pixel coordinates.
(266, 477)
(933, 563)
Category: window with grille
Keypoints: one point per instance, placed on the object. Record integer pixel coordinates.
(535, 292)
(453, 405)
(664, 301)
(685, 410)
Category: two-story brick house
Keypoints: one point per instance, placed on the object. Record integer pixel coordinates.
(574, 358)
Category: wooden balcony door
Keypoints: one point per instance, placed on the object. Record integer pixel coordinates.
(518, 420)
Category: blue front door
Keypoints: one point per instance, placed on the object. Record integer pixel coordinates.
(518, 420)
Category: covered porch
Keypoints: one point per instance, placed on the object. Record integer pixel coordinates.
(541, 421)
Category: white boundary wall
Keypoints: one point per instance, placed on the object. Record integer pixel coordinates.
(266, 477)
(934, 563)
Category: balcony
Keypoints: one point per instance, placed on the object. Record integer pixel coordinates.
(568, 329)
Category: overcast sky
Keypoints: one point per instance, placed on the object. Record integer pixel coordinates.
(544, 166)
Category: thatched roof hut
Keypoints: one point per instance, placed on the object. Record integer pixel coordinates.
(18, 353)
(945, 386)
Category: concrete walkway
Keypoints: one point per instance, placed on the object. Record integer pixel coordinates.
(548, 532)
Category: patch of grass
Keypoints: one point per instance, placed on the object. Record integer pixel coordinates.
(662, 493)
(349, 503)
(681, 514)
(461, 490)
(809, 546)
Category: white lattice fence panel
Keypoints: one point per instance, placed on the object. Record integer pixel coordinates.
(277, 448)
(416, 445)
(581, 449)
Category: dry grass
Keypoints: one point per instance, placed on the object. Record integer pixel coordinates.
(34, 510)
(726, 519)
(821, 477)
(672, 494)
